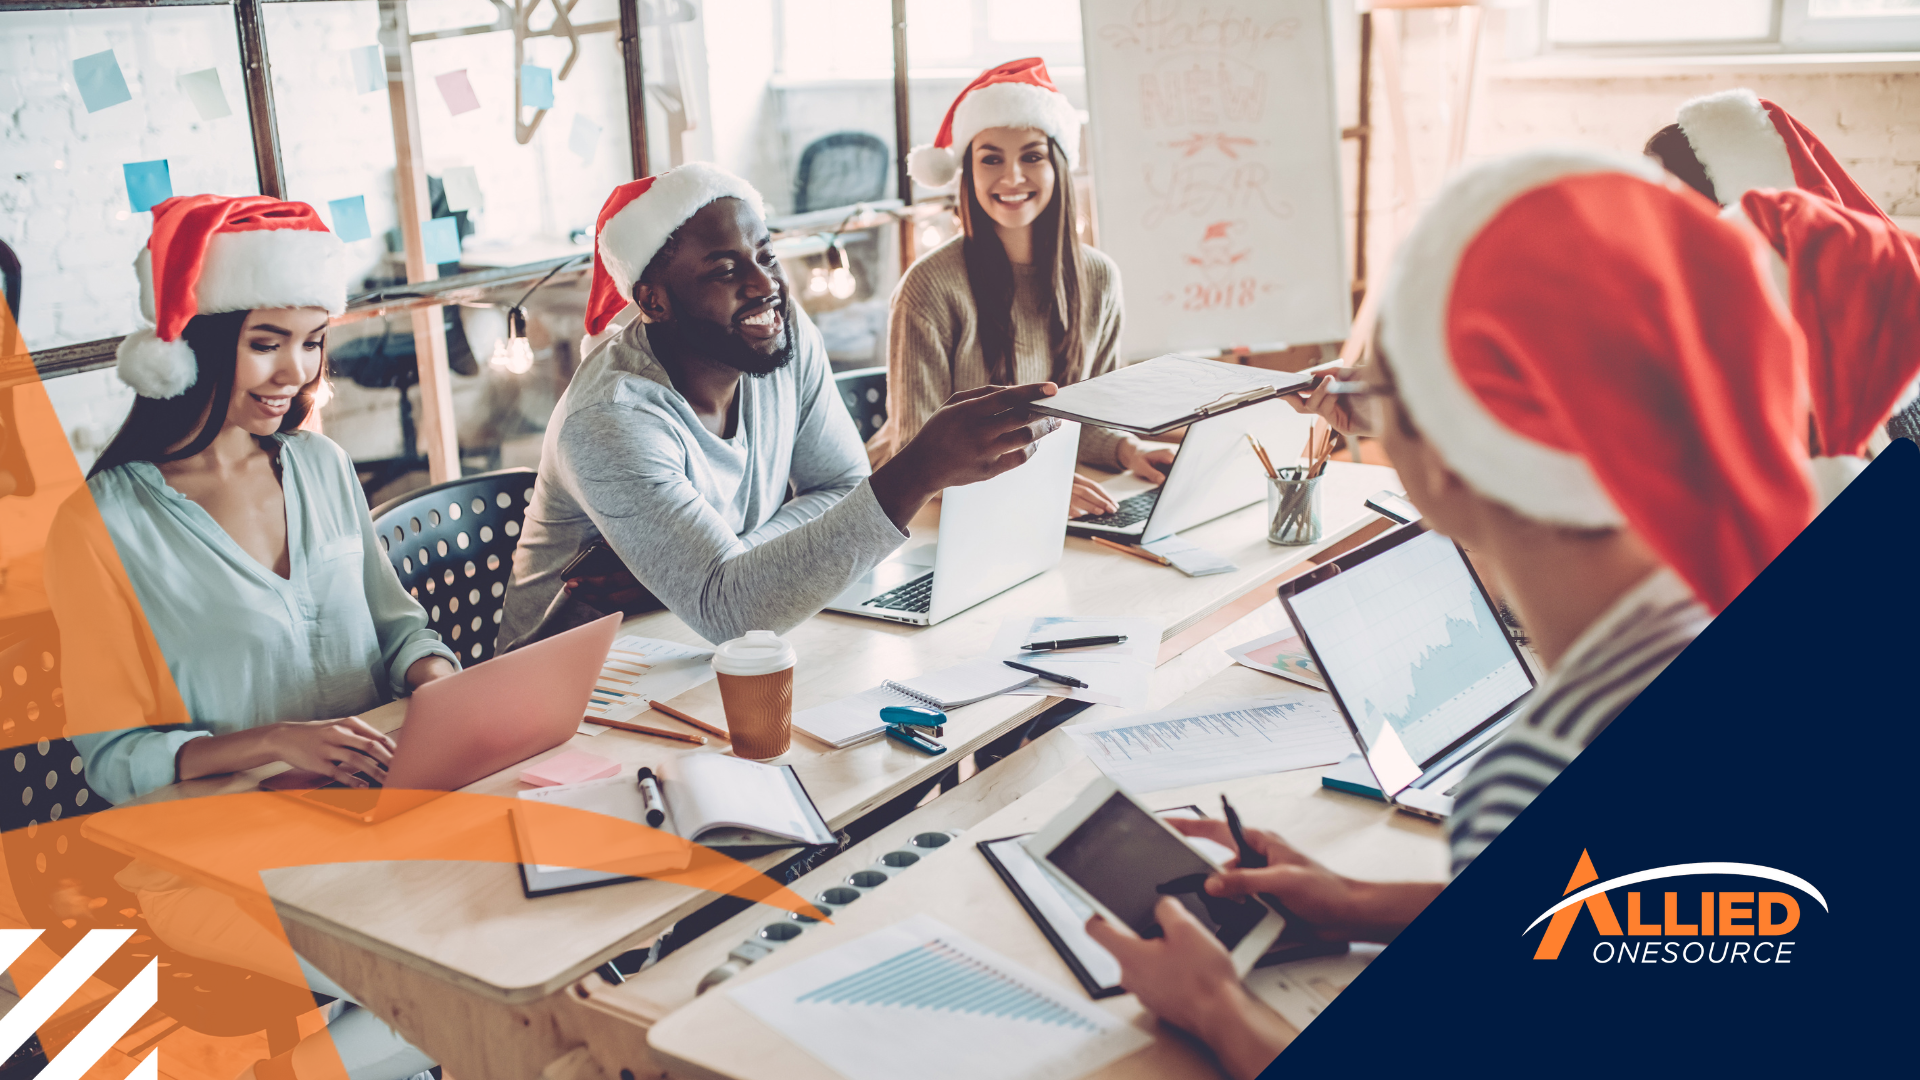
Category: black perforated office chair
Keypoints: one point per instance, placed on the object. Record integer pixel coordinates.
(64, 882)
(865, 392)
(452, 545)
(841, 169)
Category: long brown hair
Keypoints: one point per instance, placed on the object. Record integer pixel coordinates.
(155, 424)
(990, 275)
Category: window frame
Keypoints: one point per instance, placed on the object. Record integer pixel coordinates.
(1791, 31)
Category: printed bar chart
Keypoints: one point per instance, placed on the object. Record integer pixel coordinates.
(938, 976)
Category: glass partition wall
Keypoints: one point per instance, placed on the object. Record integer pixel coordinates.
(462, 149)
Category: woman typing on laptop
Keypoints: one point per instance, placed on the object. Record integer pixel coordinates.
(248, 552)
(1016, 298)
(1614, 430)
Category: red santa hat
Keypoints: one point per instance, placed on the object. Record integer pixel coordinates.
(1854, 286)
(215, 253)
(1018, 94)
(1593, 347)
(1745, 142)
(638, 220)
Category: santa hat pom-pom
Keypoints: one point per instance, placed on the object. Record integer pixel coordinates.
(933, 166)
(156, 368)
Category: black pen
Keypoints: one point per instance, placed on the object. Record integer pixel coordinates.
(1074, 643)
(1064, 680)
(1249, 858)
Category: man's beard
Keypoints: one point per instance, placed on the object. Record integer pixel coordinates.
(708, 339)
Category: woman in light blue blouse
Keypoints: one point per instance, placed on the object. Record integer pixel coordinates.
(248, 551)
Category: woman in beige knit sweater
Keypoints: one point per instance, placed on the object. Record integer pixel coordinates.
(1016, 297)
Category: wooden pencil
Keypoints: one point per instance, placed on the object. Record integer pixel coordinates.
(688, 719)
(1137, 553)
(642, 729)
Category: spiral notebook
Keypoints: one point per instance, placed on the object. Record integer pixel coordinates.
(857, 718)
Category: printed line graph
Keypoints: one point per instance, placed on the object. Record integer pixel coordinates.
(936, 975)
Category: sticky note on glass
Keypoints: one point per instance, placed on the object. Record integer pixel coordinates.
(101, 83)
(148, 183)
(350, 218)
(441, 238)
(458, 91)
(369, 69)
(536, 87)
(584, 139)
(203, 89)
(462, 189)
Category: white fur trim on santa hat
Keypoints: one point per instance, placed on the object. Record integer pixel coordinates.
(1536, 480)
(629, 241)
(1009, 104)
(262, 268)
(1736, 143)
(155, 368)
(933, 166)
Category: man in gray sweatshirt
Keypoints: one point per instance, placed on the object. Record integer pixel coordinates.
(706, 442)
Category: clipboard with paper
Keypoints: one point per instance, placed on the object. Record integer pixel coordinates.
(1167, 392)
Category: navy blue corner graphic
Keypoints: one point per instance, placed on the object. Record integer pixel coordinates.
(1783, 737)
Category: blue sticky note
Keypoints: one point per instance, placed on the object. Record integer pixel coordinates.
(441, 238)
(350, 218)
(148, 184)
(101, 83)
(536, 87)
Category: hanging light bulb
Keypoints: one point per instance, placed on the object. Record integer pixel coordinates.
(930, 237)
(513, 353)
(840, 280)
(817, 282)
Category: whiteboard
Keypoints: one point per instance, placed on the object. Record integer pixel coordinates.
(1215, 149)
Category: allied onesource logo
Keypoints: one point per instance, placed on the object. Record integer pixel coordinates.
(1715, 927)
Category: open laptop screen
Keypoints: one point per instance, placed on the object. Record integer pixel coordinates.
(1413, 651)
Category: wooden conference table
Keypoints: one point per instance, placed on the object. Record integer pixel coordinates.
(458, 960)
(713, 1037)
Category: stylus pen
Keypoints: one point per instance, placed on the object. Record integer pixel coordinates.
(1063, 680)
(1249, 858)
(1074, 643)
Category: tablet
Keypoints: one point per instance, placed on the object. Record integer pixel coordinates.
(1119, 858)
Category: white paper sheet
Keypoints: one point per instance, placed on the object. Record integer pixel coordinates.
(1280, 653)
(1116, 674)
(920, 999)
(1302, 989)
(1190, 558)
(640, 671)
(1220, 741)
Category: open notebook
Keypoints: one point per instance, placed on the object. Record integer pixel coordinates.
(719, 801)
(857, 718)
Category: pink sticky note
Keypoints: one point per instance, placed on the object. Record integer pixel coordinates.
(458, 92)
(568, 767)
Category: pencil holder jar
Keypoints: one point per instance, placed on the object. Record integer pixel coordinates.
(1293, 507)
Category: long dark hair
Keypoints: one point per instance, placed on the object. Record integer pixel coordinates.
(156, 424)
(990, 275)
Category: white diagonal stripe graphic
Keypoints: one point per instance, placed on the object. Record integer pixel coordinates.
(13, 943)
(107, 1027)
(68, 976)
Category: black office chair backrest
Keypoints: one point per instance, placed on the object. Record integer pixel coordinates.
(452, 545)
(841, 169)
(865, 392)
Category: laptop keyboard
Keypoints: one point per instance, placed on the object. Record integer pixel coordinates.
(915, 595)
(1132, 511)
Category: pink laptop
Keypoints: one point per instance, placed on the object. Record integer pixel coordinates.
(473, 724)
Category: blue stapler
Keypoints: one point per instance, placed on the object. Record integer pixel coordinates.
(909, 723)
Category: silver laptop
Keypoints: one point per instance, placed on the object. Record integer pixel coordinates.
(993, 535)
(1213, 473)
(1415, 658)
